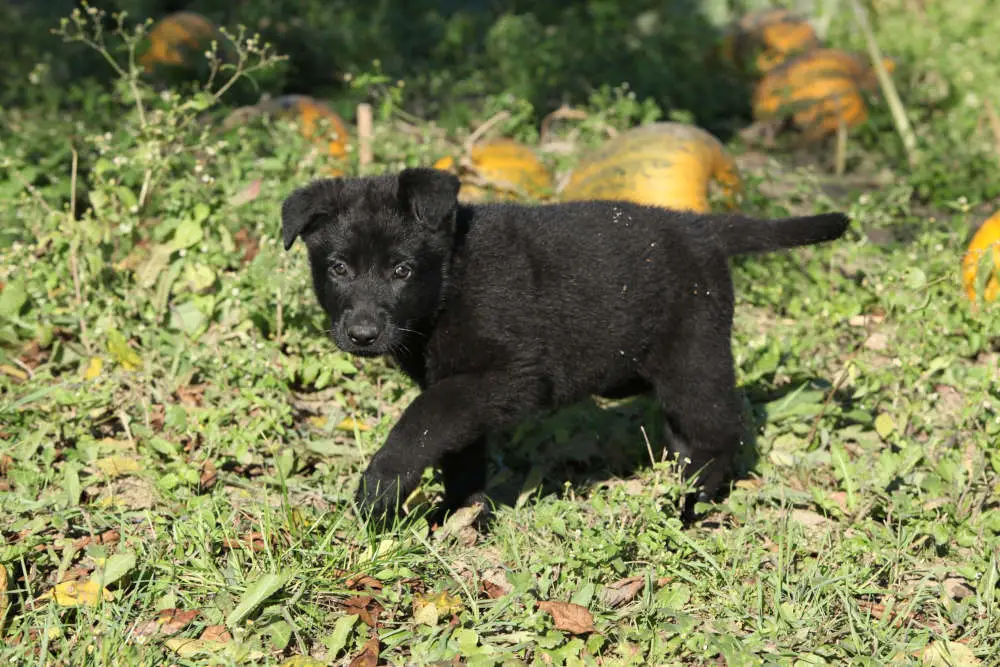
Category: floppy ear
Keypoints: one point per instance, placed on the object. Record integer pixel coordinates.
(306, 205)
(430, 194)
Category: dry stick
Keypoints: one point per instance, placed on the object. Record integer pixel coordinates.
(484, 128)
(888, 87)
(365, 131)
(74, 260)
(994, 120)
(564, 112)
(840, 157)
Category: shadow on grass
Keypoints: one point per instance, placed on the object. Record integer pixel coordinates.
(587, 445)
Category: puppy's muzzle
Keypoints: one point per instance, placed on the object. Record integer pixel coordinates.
(363, 330)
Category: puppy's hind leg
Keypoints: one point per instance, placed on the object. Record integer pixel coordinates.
(695, 382)
(464, 474)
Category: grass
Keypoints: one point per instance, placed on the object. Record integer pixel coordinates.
(181, 443)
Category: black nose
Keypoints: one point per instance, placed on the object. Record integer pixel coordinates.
(362, 333)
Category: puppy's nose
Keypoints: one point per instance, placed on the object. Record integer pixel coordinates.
(363, 333)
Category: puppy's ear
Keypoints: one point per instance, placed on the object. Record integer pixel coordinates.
(307, 204)
(431, 195)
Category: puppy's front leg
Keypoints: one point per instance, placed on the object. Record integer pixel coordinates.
(449, 419)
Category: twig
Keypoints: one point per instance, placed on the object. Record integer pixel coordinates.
(484, 128)
(888, 87)
(840, 157)
(74, 260)
(649, 447)
(994, 120)
(562, 113)
(365, 132)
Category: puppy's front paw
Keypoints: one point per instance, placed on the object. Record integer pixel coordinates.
(381, 493)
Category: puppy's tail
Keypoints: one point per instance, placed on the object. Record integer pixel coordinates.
(740, 235)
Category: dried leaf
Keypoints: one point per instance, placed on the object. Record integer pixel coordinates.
(208, 475)
(623, 591)
(77, 593)
(944, 653)
(14, 373)
(358, 582)
(809, 519)
(93, 368)
(956, 588)
(568, 616)
(216, 633)
(302, 661)
(460, 520)
(3, 595)
(249, 244)
(350, 423)
(247, 194)
(119, 348)
(117, 466)
(188, 648)
(192, 394)
(365, 607)
(167, 622)
(369, 654)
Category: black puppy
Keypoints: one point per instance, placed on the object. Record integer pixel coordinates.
(499, 310)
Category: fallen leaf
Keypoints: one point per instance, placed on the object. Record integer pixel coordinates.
(623, 591)
(192, 394)
(808, 518)
(188, 648)
(14, 372)
(884, 425)
(77, 593)
(253, 541)
(369, 654)
(247, 194)
(366, 607)
(5, 463)
(249, 244)
(944, 653)
(167, 622)
(362, 581)
(93, 368)
(302, 661)
(350, 423)
(956, 588)
(569, 617)
(117, 466)
(3, 595)
(877, 342)
(119, 348)
(459, 522)
(208, 475)
(216, 633)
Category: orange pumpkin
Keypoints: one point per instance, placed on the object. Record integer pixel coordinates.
(178, 40)
(985, 240)
(764, 39)
(311, 115)
(500, 169)
(816, 90)
(662, 164)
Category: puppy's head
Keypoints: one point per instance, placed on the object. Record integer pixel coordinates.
(379, 249)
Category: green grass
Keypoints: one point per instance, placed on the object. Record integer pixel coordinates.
(176, 427)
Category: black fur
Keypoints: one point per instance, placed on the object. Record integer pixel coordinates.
(505, 309)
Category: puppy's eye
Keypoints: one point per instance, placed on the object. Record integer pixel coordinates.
(338, 268)
(402, 272)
